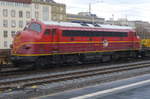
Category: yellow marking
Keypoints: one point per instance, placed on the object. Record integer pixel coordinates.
(69, 43)
(34, 86)
(68, 53)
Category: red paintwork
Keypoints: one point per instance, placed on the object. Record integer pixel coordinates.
(21, 45)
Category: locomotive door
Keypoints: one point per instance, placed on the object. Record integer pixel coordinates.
(131, 39)
(55, 40)
(50, 37)
(55, 35)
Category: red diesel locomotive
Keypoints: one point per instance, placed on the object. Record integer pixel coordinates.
(42, 43)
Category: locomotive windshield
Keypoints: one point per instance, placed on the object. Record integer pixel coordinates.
(33, 26)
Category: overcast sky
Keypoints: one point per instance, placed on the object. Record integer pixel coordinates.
(132, 9)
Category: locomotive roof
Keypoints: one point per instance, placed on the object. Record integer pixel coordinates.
(69, 24)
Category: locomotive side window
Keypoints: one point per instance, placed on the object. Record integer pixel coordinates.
(35, 27)
(53, 31)
(94, 33)
(50, 32)
(47, 32)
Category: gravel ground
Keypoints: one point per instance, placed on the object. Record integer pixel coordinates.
(71, 84)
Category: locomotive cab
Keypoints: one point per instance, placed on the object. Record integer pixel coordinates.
(36, 39)
(24, 43)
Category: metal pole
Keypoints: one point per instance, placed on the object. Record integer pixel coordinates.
(90, 8)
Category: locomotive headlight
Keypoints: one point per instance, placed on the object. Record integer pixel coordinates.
(26, 47)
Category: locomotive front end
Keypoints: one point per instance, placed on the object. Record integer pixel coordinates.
(23, 44)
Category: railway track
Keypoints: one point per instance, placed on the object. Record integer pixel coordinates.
(7, 68)
(24, 82)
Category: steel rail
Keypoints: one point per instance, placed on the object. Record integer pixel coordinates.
(38, 80)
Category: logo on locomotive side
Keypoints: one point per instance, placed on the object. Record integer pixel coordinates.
(105, 43)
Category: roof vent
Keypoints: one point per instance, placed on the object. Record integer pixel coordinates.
(96, 25)
(84, 24)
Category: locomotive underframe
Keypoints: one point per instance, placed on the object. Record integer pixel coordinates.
(78, 58)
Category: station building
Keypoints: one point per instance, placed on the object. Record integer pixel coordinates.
(15, 14)
(84, 17)
(142, 28)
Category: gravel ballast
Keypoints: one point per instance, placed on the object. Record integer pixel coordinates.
(71, 84)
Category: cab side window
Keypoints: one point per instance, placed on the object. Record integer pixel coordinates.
(53, 31)
(48, 32)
